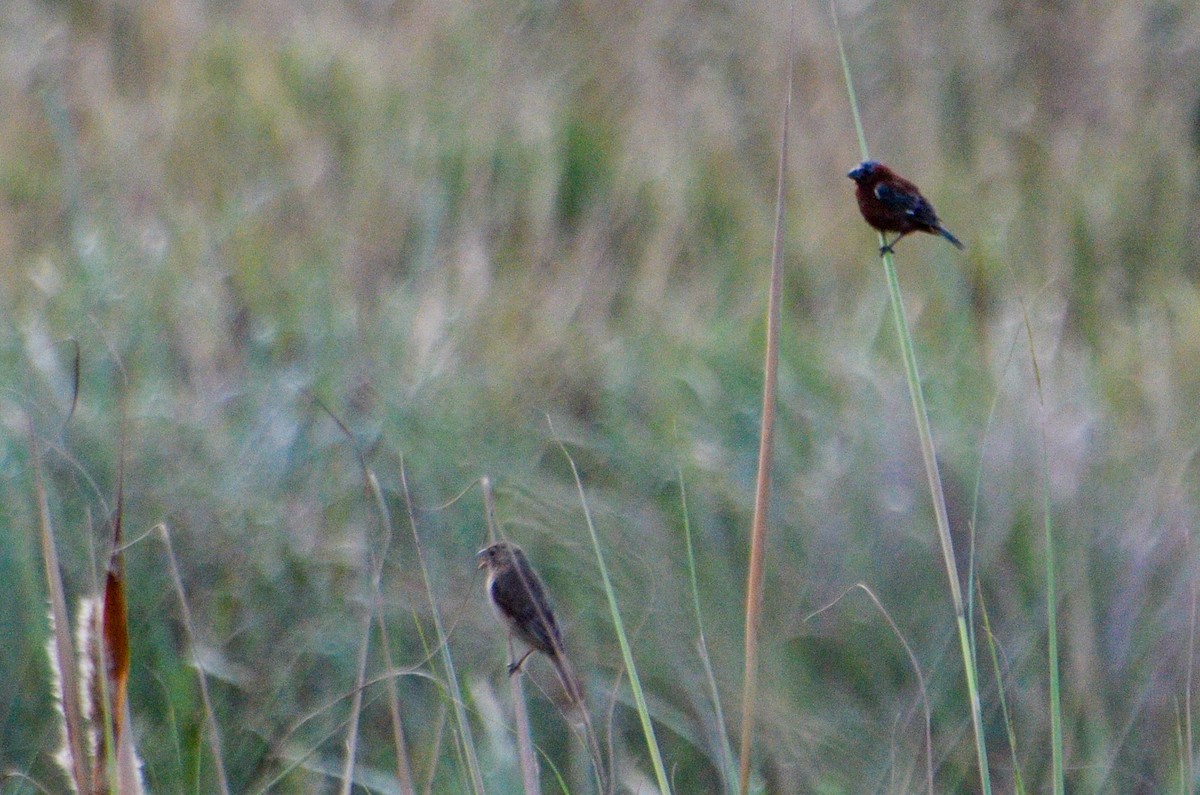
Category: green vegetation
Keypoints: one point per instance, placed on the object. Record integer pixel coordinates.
(448, 222)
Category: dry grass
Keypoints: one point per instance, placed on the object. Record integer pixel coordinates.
(450, 221)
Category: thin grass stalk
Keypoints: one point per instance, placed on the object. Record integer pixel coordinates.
(702, 644)
(928, 452)
(929, 455)
(404, 778)
(470, 757)
(404, 775)
(1183, 785)
(281, 749)
(766, 446)
(973, 524)
(63, 648)
(1010, 730)
(530, 780)
(301, 761)
(912, 659)
(529, 768)
(635, 682)
(189, 631)
(360, 677)
(436, 751)
(1056, 722)
(373, 614)
(1191, 663)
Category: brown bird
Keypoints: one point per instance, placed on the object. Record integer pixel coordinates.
(890, 203)
(519, 599)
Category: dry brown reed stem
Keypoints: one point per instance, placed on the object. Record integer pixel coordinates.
(404, 777)
(529, 767)
(766, 445)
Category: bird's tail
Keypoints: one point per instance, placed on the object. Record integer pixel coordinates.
(569, 680)
(944, 232)
(574, 688)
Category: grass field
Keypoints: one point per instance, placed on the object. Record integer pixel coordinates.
(474, 230)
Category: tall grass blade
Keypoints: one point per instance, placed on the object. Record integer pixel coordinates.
(404, 776)
(1010, 729)
(1191, 665)
(635, 682)
(62, 659)
(283, 749)
(1183, 766)
(374, 563)
(702, 643)
(1056, 721)
(974, 587)
(766, 444)
(928, 453)
(210, 716)
(912, 659)
(467, 740)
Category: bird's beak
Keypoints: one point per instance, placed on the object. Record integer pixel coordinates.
(480, 556)
(856, 174)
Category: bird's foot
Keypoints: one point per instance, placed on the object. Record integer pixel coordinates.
(886, 250)
(516, 666)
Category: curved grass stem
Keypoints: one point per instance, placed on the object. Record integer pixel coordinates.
(928, 452)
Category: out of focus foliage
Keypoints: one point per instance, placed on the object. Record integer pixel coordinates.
(448, 221)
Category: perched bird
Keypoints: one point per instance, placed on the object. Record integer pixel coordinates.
(519, 599)
(890, 203)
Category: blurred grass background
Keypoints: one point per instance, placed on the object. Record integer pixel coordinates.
(449, 220)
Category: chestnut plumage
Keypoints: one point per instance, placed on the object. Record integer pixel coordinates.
(891, 203)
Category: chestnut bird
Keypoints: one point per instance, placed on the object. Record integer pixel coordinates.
(890, 203)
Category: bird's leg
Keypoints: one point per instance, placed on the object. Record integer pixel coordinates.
(514, 667)
(886, 248)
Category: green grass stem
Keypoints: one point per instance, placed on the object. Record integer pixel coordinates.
(1056, 720)
(912, 659)
(635, 682)
(993, 647)
(189, 632)
(1191, 667)
(928, 452)
(467, 741)
(702, 644)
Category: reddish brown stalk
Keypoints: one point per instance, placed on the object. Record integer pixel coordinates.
(115, 628)
(766, 444)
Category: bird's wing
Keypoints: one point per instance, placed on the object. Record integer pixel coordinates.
(524, 601)
(912, 204)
